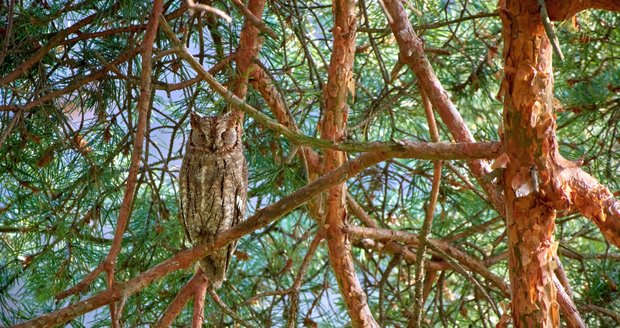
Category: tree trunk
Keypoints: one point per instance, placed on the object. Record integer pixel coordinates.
(531, 146)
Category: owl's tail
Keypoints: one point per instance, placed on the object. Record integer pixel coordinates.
(215, 265)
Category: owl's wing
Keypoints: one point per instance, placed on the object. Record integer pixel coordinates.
(183, 175)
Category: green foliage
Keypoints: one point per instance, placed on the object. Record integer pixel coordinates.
(64, 161)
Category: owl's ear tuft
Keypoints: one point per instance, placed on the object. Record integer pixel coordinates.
(194, 119)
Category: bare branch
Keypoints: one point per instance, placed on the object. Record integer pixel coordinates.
(143, 107)
(178, 303)
(419, 269)
(400, 146)
(184, 259)
(567, 306)
(412, 239)
(412, 54)
(257, 22)
(202, 7)
(595, 202)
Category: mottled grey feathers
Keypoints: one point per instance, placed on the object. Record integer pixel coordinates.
(213, 187)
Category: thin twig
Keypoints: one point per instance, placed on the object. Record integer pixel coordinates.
(297, 138)
(9, 30)
(226, 309)
(294, 290)
(428, 220)
(411, 239)
(460, 269)
(544, 16)
(53, 42)
(9, 129)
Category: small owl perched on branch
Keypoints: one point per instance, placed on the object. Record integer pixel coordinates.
(213, 186)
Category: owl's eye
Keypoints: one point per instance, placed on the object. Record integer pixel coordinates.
(198, 139)
(229, 137)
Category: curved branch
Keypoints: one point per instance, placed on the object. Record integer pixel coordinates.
(595, 202)
(143, 107)
(400, 149)
(184, 259)
(178, 303)
(560, 10)
(412, 54)
(412, 239)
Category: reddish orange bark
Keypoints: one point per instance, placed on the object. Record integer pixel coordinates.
(250, 43)
(563, 9)
(333, 126)
(529, 137)
(595, 202)
(413, 55)
(178, 303)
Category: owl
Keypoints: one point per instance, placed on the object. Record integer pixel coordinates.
(213, 187)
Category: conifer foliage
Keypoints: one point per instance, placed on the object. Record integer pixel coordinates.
(419, 163)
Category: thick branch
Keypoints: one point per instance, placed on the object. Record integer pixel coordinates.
(143, 107)
(185, 259)
(249, 44)
(412, 54)
(178, 303)
(412, 239)
(560, 10)
(333, 124)
(401, 147)
(200, 291)
(595, 202)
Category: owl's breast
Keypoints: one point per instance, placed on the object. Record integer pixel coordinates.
(213, 192)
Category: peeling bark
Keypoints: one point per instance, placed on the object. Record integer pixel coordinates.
(333, 126)
(595, 202)
(250, 43)
(531, 188)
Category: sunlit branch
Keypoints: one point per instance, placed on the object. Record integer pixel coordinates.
(401, 149)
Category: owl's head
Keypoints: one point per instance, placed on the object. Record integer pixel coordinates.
(215, 134)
